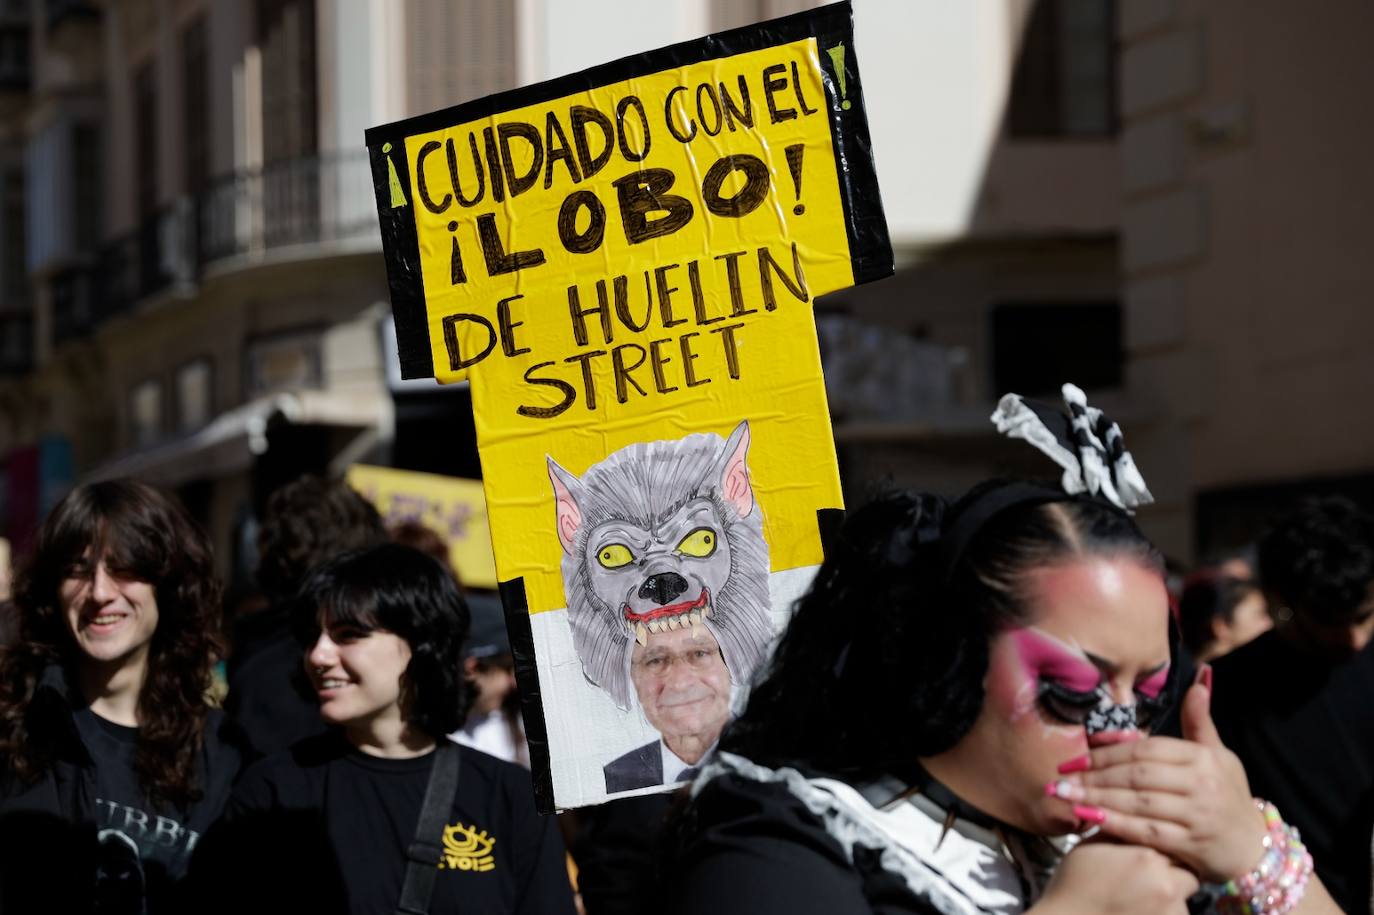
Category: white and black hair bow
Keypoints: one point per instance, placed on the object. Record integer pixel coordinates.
(1085, 443)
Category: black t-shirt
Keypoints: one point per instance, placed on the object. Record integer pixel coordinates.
(331, 826)
(141, 846)
(1304, 728)
(268, 700)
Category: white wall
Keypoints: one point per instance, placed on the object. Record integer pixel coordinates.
(935, 81)
(935, 78)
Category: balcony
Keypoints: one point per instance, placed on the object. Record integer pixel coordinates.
(292, 208)
(311, 201)
(157, 257)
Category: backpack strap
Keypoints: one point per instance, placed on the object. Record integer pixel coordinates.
(422, 858)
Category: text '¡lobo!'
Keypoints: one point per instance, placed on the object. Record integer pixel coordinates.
(735, 185)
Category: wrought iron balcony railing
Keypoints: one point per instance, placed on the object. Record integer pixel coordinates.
(300, 201)
(303, 202)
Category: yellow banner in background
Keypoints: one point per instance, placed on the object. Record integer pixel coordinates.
(454, 508)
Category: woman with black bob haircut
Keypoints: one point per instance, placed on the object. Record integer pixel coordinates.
(381, 814)
(111, 760)
(958, 720)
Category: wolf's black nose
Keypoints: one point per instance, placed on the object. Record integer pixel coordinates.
(663, 587)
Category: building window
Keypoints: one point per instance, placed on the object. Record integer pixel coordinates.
(458, 50)
(14, 281)
(145, 412)
(145, 139)
(195, 101)
(195, 401)
(732, 14)
(86, 194)
(1064, 84)
(282, 363)
(286, 34)
(1036, 347)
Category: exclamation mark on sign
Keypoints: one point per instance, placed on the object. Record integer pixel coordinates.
(837, 60)
(398, 194)
(794, 165)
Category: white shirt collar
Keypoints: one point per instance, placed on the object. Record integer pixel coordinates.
(673, 765)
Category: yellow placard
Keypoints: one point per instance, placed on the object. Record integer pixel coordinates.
(454, 508)
(623, 264)
(657, 331)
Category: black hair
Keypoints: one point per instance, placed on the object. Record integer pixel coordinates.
(1318, 561)
(398, 589)
(308, 521)
(1209, 595)
(885, 658)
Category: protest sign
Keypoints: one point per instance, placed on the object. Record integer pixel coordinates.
(453, 508)
(622, 264)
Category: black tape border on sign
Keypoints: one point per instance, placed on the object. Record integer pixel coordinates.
(870, 246)
(521, 634)
(828, 524)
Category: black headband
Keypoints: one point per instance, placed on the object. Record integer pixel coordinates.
(974, 516)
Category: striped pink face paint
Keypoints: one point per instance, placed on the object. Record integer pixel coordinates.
(1153, 685)
(1072, 686)
(1047, 658)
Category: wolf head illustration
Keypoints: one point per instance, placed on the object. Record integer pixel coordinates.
(663, 535)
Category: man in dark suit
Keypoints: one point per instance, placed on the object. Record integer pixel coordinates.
(684, 688)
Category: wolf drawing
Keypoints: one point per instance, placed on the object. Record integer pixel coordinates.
(664, 535)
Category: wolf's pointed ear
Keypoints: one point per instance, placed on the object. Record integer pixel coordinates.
(565, 491)
(735, 487)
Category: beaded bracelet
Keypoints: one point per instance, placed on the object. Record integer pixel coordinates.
(1276, 885)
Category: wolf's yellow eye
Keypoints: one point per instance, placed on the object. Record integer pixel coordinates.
(614, 556)
(699, 543)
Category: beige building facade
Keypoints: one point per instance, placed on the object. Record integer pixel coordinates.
(1158, 199)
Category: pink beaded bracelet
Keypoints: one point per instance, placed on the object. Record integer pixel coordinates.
(1277, 883)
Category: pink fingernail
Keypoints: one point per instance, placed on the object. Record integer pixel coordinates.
(1204, 676)
(1077, 764)
(1088, 814)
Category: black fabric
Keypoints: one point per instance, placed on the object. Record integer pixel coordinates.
(756, 849)
(617, 853)
(1304, 728)
(642, 767)
(85, 833)
(268, 700)
(417, 887)
(326, 828)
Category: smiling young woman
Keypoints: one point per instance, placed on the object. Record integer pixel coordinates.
(113, 762)
(351, 821)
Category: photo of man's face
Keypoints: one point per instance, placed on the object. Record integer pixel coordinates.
(684, 688)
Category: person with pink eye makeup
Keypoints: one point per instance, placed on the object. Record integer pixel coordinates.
(953, 720)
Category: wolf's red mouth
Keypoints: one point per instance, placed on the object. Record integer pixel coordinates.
(671, 610)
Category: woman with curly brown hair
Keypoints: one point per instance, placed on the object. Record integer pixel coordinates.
(111, 762)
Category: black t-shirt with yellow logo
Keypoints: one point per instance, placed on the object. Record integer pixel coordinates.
(325, 827)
